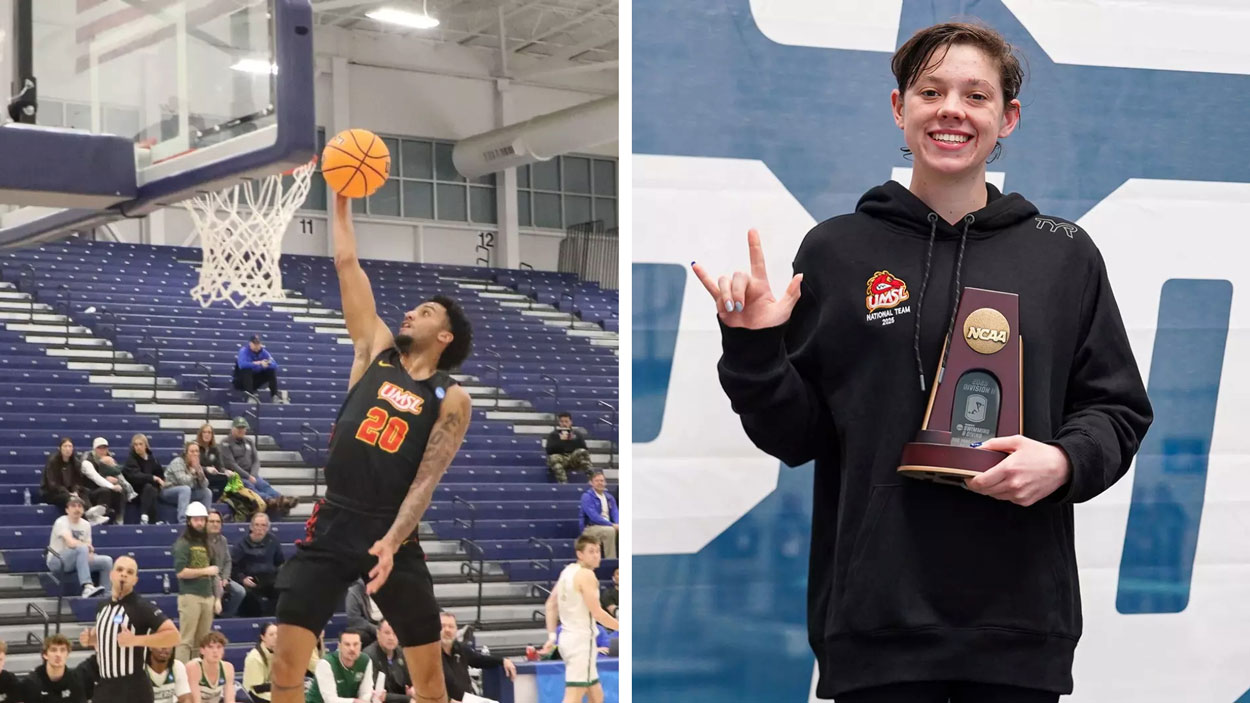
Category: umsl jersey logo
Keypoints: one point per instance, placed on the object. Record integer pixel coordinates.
(404, 401)
(885, 291)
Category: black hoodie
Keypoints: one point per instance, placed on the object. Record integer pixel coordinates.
(911, 580)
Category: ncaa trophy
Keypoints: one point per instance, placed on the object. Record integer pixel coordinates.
(977, 392)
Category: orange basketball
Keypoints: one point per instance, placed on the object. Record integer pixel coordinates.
(355, 163)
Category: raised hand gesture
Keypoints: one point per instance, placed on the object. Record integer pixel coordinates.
(746, 299)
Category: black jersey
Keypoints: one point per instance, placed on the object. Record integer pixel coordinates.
(380, 435)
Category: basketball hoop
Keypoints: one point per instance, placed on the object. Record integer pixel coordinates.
(241, 230)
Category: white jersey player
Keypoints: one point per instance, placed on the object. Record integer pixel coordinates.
(574, 602)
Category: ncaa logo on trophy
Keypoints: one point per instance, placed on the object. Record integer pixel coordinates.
(982, 401)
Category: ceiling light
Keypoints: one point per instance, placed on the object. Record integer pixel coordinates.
(256, 66)
(403, 18)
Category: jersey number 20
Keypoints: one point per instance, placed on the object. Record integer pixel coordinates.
(379, 428)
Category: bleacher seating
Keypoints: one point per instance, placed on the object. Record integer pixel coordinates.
(137, 354)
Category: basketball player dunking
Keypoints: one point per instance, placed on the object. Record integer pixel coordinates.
(403, 420)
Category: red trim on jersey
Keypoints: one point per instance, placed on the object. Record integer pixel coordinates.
(310, 524)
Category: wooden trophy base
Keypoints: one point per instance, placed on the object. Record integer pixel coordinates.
(945, 463)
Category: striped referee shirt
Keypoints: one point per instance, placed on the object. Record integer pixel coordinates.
(114, 617)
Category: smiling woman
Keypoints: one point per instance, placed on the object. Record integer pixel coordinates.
(918, 591)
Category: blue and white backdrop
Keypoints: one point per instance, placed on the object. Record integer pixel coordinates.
(775, 114)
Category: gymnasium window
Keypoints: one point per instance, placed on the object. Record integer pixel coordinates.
(424, 185)
(566, 191)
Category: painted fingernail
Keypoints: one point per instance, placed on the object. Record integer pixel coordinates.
(975, 444)
(729, 306)
(738, 306)
(692, 263)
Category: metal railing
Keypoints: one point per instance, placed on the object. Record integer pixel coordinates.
(551, 561)
(33, 608)
(107, 317)
(315, 451)
(253, 399)
(206, 384)
(482, 260)
(613, 440)
(471, 547)
(156, 360)
(555, 393)
(26, 280)
(529, 278)
(497, 367)
(573, 317)
(306, 273)
(69, 299)
(60, 585)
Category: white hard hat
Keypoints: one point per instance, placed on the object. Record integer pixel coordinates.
(197, 509)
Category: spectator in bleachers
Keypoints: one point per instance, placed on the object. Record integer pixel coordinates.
(168, 677)
(238, 453)
(62, 477)
(195, 570)
(610, 597)
(343, 674)
(255, 562)
(229, 593)
(458, 657)
(70, 550)
(101, 468)
(363, 615)
(388, 658)
(146, 475)
(209, 674)
(185, 472)
(599, 516)
(52, 681)
(256, 667)
(254, 366)
(566, 449)
(210, 453)
(10, 687)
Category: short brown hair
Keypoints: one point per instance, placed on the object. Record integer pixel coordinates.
(214, 637)
(584, 541)
(913, 56)
(55, 640)
(4, 647)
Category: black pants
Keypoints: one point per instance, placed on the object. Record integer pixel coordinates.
(149, 497)
(947, 692)
(130, 689)
(114, 501)
(261, 601)
(249, 380)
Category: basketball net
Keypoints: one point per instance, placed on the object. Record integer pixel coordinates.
(241, 229)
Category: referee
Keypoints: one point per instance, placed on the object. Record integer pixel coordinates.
(125, 626)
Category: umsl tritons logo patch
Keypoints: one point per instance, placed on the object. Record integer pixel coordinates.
(885, 291)
(404, 401)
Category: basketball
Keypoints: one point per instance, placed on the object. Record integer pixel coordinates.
(355, 163)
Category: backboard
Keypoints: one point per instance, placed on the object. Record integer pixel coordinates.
(144, 103)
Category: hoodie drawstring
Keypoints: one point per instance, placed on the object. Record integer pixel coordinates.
(955, 295)
(924, 283)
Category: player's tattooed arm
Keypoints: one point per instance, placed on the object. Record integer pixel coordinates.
(445, 440)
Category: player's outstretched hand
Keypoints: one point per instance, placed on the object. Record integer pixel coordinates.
(385, 552)
(746, 299)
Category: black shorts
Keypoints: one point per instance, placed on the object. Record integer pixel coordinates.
(333, 554)
(128, 689)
